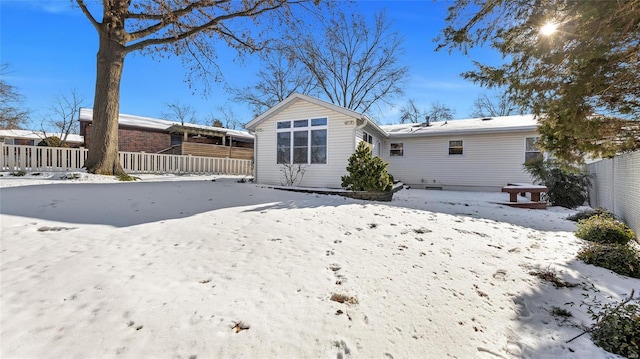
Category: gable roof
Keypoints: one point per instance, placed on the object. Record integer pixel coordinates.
(38, 135)
(502, 124)
(86, 114)
(300, 97)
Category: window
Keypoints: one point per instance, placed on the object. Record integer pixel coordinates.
(284, 147)
(455, 147)
(9, 141)
(531, 150)
(397, 149)
(302, 141)
(367, 138)
(318, 146)
(176, 140)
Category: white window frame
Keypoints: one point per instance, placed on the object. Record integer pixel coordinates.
(461, 147)
(526, 149)
(309, 128)
(400, 147)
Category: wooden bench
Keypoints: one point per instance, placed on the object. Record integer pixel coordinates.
(523, 188)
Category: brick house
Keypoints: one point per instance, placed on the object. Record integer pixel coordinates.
(32, 138)
(145, 134)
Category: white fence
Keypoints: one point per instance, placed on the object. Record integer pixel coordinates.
(56, 159)
(616, 187)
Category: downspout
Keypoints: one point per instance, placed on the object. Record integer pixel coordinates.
(255, 152)
(355, 131)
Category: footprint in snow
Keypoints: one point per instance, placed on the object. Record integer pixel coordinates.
(500, 274)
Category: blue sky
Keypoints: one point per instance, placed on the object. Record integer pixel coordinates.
(51, 47)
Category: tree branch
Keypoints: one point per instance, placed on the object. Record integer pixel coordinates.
(87, 13)
(213, 23)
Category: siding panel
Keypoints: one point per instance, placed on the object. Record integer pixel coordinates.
(488, 162)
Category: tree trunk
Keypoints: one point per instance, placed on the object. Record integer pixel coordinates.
(103, 146)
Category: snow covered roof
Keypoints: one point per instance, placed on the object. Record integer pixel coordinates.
(38, 135)
(86, 114)
(472, 125)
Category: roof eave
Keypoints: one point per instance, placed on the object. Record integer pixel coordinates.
(373, 124)
(466, 132)
(251, 125)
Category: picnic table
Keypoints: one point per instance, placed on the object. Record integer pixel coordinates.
(523, 188)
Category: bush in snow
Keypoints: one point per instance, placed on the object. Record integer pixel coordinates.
(620, 258)
(567, 185)
(617, 330)
(588, 213)
(366, 172)
(604, 229)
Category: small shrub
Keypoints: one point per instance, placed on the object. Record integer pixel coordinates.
(70, 176)
(127, 178)
(620, 258)
(52, 141)
(567, 185)
(560, 312)
(366, 172)
(292, 174)
(19, 173)
(588, 213)
(603, 229)
(552, 277)
(618, 330)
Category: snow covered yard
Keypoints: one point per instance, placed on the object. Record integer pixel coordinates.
(185, 267)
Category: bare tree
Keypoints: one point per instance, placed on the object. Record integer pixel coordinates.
(439, 112)
(161, 26)
(410, 113)
(176, 111)
(12, 115)
(355, 64)
(225, 118)
(64, 116)
(485, 106)
(229, 118)
(278, 78)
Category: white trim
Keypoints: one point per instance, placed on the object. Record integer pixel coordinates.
(396, 143)
(309, 128)
(449, 148)
(297, 96)
(524, 153)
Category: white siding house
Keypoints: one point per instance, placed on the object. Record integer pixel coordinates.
(317, 135)
(472, 154)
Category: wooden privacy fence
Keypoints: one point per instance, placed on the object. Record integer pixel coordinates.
(57, 159)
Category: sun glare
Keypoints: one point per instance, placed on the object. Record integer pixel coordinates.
(548, 29)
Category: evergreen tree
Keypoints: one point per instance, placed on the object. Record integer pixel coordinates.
(366, 172)
(565, 60)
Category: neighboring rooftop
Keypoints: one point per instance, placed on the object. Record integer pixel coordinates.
(38, 135)
(462, 126)
(86, 114)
